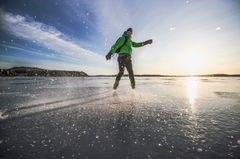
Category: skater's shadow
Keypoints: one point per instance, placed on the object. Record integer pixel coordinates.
(78, 104)
(49, 103)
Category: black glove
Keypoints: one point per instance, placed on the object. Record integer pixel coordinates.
(148, 42)
(108, 56)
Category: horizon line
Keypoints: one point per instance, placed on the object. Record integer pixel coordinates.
(144, 74)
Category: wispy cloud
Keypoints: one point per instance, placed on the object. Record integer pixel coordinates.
(44, 35)
(23, 49)
(53, 56)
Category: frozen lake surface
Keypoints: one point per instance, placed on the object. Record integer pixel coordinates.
(84, 118)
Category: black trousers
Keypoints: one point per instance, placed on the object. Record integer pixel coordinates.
(125, 61)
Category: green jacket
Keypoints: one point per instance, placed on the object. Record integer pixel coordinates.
(127, 48)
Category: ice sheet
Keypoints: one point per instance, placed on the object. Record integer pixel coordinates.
(84, 118)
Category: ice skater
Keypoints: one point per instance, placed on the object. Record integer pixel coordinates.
(123, 47)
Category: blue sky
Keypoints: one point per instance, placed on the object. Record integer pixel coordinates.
(190, 36)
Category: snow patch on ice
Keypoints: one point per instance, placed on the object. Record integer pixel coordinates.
(3, 115)
(218, 28)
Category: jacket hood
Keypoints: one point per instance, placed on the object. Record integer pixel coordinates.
(125, 34)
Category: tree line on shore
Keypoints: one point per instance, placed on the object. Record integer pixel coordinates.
(33, 71)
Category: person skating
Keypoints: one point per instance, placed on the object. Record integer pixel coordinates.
(123, 47)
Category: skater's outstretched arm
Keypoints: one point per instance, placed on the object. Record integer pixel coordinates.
(134, 44)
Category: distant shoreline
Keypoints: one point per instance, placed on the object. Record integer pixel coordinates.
(39, 72)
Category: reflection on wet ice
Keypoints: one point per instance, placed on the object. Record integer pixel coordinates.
(192, 88)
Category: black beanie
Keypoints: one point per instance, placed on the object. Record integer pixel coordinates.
(130, 29)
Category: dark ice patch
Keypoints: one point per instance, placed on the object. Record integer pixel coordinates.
(207, 80)
(169, 79)
(231, 95)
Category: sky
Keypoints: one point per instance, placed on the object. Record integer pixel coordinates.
(189, 36)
